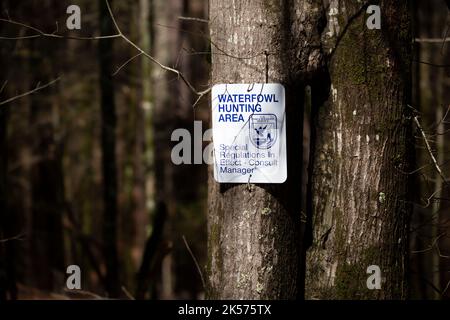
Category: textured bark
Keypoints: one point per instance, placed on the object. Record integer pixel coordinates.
(109, 167)
(254, 242)
(360, 191)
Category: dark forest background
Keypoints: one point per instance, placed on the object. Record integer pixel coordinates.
(85, 171)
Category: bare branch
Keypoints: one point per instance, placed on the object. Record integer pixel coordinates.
(3, 86)
(431, 246)
(446, 288)
(430, 152)
(432, 40)
(113, 19)
(162, 66)
(38, 87)
(82, 294)
(205, 92)
(127, 62)
(127, 293)
(20, 236)
(432, 64)
(222, 52)
(196, 262)
(194, 19)
(40, 33)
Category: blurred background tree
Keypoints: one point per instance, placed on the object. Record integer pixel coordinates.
(98, 131)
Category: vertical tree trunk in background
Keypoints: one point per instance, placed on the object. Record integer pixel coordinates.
(178, 187)
(173, 200)
(363, 149)
(189, 192)
(428, 106)
(5, 277)
(7, 220)
(3, 213)
(418, 287)
(47, 188)
(165, 50)
(437, 85)
(433, 224)
(140, 214)
(109, 167)
(429, 96)
(254, 244)
(17, 156)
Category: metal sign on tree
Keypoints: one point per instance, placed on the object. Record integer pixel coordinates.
(249, 133)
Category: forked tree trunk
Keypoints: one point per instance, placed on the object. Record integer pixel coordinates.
(363, 151)
(254, 244)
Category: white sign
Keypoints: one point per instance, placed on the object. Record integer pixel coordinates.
(249, 133)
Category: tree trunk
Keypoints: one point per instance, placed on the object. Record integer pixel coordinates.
(7, 280)
(109, 167)
(8, 221)
(47, 188)
(363, 151)
(254, 242)
(177, 187)
(436, 101)
(140, 212)
(166, 50)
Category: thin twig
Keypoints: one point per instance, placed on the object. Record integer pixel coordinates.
(20, 237)
(222, 52)
(39, 87)
(446, 288)
(445, 35)
(195, 261)
(431, 246)
(83, 293)
(443, 119)
(430, 152)
(200, 97)
(194, 19)
(432, 40)
(43, 34)
(3, 86)
(127, 62)
(432, 64)
(127, 293)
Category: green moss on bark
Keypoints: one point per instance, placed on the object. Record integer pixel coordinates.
(351, 278)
